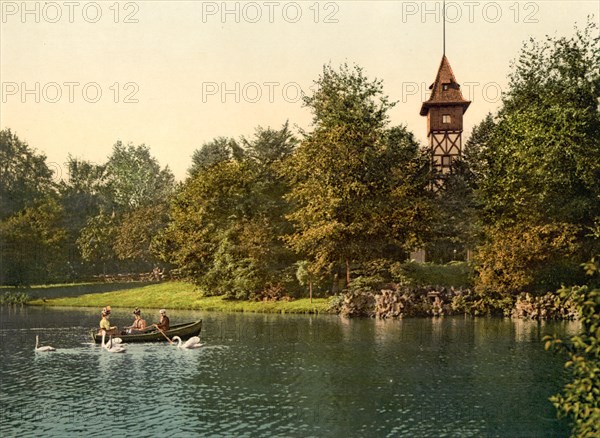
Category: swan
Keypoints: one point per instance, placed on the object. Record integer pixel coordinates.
(38, 347)
(193, 342)
(110, 347)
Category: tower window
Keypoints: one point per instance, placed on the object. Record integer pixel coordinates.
(446, 118)
(446, 160)
(445, 87)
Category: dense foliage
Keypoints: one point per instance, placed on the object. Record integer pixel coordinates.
(25, 178)
(228, 218)
(580, 398)
(31, 232)
(101, 219)
(537, 168)
(357, 185)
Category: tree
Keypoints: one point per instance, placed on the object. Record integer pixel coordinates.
(83, 196)
(539, 161)
(32, 247)
(475, 151)
(542, 157)
(31, 233)
(135, 179)
(227, 219)
(358, 187)
(96, 241)
(136, 233)
(25, 179)
(127, 199)
(216, 151)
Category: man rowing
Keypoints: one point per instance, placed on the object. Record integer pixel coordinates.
(164, 322)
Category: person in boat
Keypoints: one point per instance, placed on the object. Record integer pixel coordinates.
(139, 324)
(164, 321)
(105, 323)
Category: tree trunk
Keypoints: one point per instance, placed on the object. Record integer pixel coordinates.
(334, 286)
(310, 290)
(347, 272)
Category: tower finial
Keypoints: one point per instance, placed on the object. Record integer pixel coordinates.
(444, 19)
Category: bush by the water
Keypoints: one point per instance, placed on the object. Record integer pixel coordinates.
(580, 398)
(528, 258)
(14, 298)
(453, 274)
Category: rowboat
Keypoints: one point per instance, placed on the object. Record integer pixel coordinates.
(184, 331)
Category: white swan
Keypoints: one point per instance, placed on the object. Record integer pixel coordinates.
(38, 347)
(193, 342)
(110, 346)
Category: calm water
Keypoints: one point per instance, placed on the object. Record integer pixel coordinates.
(271, 375)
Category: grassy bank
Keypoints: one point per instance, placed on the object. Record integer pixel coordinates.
(179, 295)
(69, 289)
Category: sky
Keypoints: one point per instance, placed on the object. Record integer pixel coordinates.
(77, 76)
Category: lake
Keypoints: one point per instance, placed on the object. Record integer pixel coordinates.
(281, 375)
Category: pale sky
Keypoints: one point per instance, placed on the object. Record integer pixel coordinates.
(76, 76)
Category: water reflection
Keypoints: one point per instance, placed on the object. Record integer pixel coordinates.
(281, 375)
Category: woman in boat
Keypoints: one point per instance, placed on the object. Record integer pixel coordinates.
(105, 324)
(164, 321)
(139, 324)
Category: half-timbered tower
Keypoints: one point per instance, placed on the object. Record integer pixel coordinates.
(444, 110)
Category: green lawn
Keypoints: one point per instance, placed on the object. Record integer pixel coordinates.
(180, 295)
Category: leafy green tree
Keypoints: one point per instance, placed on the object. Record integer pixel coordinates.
(96, 241)
(216, 151)
(83, 195)
(136, 233)
(269, 146)
(134, 178)
(358, 187)
(32, 246)
(474, 166)
(538, 163)
(25, 179)
(542, 157)
(124, 203)
(31, 233)
(227, 219)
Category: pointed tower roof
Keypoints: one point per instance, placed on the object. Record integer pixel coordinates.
(445, 90)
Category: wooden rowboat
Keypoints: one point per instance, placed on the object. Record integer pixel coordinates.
(184, 331)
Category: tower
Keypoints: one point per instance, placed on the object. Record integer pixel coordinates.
(444, 110)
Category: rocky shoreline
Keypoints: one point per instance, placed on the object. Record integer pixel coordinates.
(400, 302)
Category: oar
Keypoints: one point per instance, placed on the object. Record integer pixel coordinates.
(163, 333)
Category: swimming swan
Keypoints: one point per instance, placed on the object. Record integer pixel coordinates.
(110, 346)
(193, 342)
(38, 347)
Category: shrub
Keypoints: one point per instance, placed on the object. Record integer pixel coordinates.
(521, 258)
(14, 298)
(453, 274)
(580, 398)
